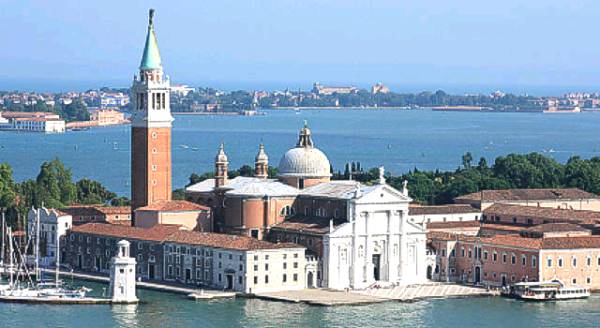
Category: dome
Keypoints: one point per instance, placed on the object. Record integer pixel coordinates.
(304, 161)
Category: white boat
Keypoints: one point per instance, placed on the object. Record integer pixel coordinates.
(547, 291)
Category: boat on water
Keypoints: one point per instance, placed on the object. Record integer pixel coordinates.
(27, 286)
(546, 291)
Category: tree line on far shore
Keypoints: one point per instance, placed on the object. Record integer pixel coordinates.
(435, 187)
(55, 188)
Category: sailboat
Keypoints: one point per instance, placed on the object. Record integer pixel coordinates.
(28, 289)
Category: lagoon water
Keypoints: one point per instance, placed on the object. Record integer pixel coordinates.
(171, 310)
(398, 139)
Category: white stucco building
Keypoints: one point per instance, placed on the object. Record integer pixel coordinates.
(53, 225)
(379, 243)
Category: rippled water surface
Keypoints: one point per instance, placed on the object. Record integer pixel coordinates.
(398, 139)
(170, 310)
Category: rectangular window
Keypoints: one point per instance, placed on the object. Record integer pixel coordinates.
(549, 262)
(295, 277)
(485, 255)
(266, 279)
(503, 258)
(255, 280)
(266, 266)
(523, 260)
(256, 267)
(284, 277)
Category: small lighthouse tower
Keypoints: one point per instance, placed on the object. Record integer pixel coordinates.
(122, 275)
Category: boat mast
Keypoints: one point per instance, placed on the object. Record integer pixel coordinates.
(3, 237)
(10, 246)
(57, 253)
(37, 246)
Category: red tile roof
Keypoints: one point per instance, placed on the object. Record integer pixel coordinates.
(308, 224)
(441, 209)
(571, 242)
(546, 213)
(527, 194)
(157, 233)
(174, 206)
(90, 210)
(218, 240)
(174, 234)
(453, 224)
(557, 227)
(513, 241)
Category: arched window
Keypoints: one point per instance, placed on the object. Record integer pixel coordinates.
(287, 210)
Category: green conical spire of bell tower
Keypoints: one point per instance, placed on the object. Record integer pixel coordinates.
(151, 56)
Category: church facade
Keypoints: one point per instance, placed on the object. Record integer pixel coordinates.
(356, 235)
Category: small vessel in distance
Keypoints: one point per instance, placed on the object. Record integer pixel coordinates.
(546, 291)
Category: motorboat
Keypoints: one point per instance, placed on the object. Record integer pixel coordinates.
(546, 291)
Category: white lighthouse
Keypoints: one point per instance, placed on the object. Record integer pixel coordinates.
(122, 275)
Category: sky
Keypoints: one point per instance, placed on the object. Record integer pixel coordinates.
(458, 45)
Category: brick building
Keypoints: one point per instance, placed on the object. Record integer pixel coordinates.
(168, 254)
(99, 213)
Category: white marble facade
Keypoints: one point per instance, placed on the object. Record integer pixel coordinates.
(378, 244)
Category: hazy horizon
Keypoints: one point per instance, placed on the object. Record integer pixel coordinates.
(464, 46)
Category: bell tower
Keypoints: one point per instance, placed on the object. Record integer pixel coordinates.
(261, 163)
(221, 167)
(150, 128)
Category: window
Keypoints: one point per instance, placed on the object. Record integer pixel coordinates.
(574, 261)
(220, 277)
(589, 261)
(549, 260)
(266, 279)
(266, 266)
(256, 267)
(284, 265)
(462, 252)
(523, 260)
(470, 253)
(255, 280)
(230, 256)
(240, 280)
(485, 255)
(560, 262)
(503, 257)
(513, 259)
(140, 246)
(295, 277)
(284, 277)
(241, 267)
(255, 257)
(140, 258)
(267, 257)
(295, 255)
(533, 261)
(588, 280)
(574, 281)
(287, 210)
(295, 265)
(453, 253)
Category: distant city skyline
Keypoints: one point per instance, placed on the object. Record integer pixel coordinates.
(537, 47)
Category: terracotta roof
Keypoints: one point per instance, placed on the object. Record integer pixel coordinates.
(309, 224)
(218, 240)
(174, 234)
(501, 227)
(174, 206)
(557, 227)
(88, 210)
(527, 194)
(441, 209)
(571, 242)
(514, 241)
(442, 235)
(157, 233)
(453, 224)
(547, 213)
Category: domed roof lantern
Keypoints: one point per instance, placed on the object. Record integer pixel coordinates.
(221, 156)
(305, 140)
(262, 155)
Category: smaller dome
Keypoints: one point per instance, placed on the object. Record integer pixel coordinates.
(221, 157)
(261, 156)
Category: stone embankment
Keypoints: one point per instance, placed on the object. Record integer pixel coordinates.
(433, 290)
